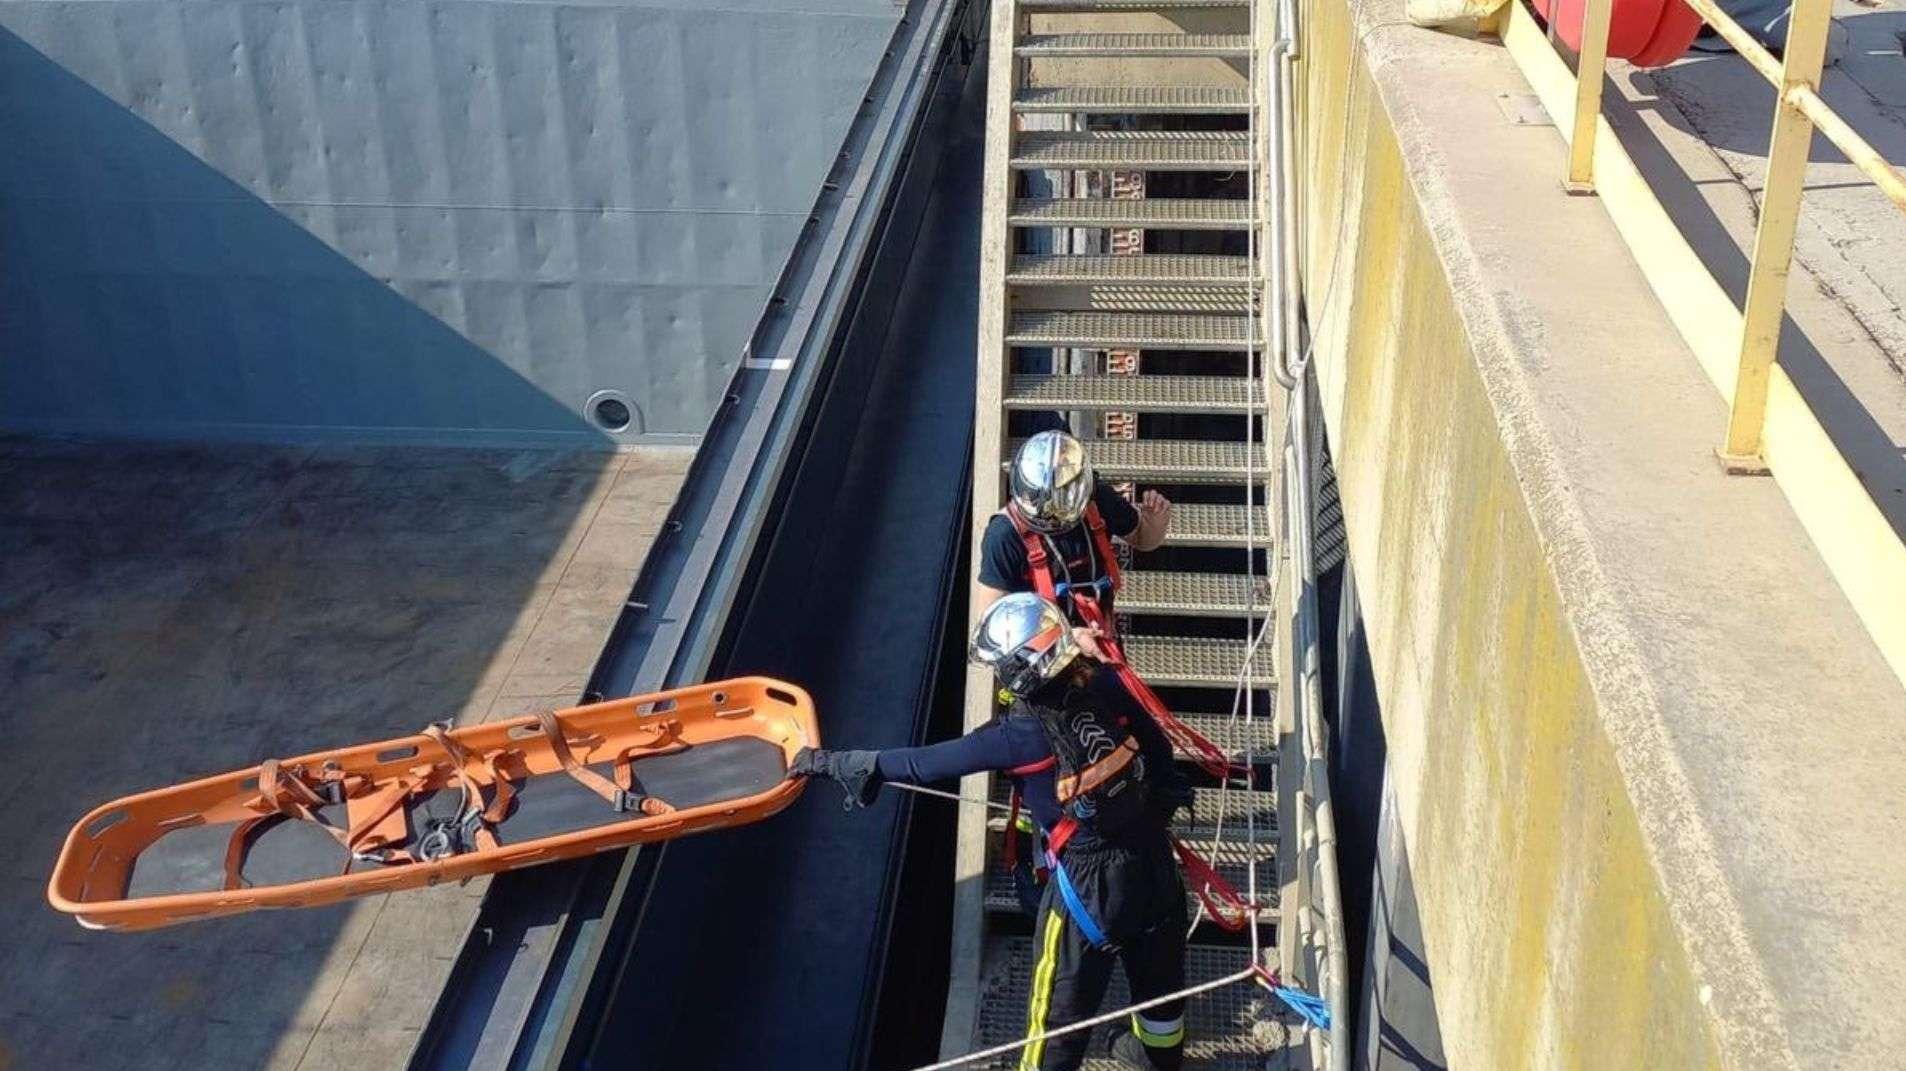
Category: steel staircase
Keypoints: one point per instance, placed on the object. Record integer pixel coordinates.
(1118, 275)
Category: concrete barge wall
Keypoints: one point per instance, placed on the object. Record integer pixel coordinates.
(380, 219)
(1638, 741)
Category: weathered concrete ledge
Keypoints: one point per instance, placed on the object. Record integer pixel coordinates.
(1647, 760)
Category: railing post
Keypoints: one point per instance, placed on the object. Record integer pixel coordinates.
(1589, 68)
(1787, 154)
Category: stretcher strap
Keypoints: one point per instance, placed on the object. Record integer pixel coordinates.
(626, 796)
(1221, 902)
(475, 810)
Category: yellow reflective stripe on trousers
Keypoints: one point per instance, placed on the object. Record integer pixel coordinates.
(1159, 1033)
(1042, 973)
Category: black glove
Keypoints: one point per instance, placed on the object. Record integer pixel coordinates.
(856, 771)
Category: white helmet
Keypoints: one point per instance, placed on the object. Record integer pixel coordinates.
(1051, 481)
(1025, 640)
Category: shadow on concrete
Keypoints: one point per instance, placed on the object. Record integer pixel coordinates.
(148, 293)
(171, 611)
(1876, 454)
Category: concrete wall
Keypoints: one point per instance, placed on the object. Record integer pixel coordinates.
(444, 220)
(1637, 739)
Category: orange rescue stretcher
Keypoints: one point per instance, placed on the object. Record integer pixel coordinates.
(443, 805)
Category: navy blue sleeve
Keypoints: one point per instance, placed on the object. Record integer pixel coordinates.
(1002, 557)
(1119, 515)
(1000, 744)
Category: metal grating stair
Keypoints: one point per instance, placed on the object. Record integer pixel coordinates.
(1165, 269)
(1195, 525)
(1221, 1026)
(1135, 45)
(1137, 330)
(1156, 213)
(1136, 394)
(1192, 594)
(1182, 461)
(1256, 738)
(1215, 815)
(1134, 100)
(1194, 661)
(1133, 150)
(1104, 292)
(1230, 860)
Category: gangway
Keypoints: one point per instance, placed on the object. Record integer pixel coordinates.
(1134, 318)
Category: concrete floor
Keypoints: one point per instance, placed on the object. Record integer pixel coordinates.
(168, 612)
(1699, 130)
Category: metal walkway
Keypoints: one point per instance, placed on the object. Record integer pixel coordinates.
(1132, 319)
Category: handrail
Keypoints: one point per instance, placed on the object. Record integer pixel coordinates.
(1798, 111)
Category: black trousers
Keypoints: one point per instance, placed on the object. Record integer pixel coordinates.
(1138, 902)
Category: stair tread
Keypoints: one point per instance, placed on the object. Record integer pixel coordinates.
(1134, 150)
(1218, 822)
(1194, 661)
(1191, 461)
(1092, 329)
(1135, 100)
(1161, 268)
(1136, 394)
(1192, 594)
(1134, 44)
(1158, 213)
(1195, 524)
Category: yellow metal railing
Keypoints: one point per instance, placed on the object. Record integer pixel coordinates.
(1799, 110)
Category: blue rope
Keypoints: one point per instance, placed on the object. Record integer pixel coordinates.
(1313, 1009)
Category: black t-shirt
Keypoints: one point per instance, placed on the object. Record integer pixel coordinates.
(1072, 558)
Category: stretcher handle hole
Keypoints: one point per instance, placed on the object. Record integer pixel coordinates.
(786, 699)
(660, 706)
(104, 822)
(524, 732)
(392, 754)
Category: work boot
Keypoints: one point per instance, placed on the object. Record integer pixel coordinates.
(1135, 1054)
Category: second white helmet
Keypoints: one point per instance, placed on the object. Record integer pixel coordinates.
(1025, 640)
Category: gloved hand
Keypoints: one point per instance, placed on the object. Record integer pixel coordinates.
(856, 771)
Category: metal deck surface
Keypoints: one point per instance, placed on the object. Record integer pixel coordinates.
(203, 608)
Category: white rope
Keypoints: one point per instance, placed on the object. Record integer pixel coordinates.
(1087, 1024)
(974, 801)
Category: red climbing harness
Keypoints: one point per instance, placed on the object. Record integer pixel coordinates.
(1206, 754)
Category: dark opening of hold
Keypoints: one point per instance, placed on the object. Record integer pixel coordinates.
(611, 414)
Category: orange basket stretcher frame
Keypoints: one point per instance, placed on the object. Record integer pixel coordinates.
(90, 880)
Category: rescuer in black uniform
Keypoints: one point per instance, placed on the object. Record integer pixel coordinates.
(1098, 777)
(1055, 503)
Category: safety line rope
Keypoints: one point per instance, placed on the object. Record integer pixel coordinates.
(1097, 1020)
